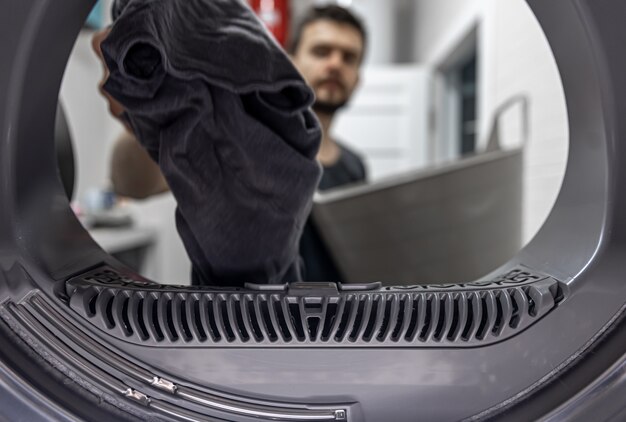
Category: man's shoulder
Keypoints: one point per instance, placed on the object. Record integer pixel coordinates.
(349, 154)
(353, 161)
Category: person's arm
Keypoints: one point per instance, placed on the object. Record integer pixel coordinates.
(133, 172)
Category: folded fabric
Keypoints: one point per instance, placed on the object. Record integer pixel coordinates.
(222, 110)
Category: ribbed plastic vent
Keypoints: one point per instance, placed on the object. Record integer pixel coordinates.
(112, 378)
(376, 318)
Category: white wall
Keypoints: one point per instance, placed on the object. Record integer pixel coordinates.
(92, 129)
(525, 64)
(438, 25)
(514, 58)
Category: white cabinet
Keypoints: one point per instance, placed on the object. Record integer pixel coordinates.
(387, 119)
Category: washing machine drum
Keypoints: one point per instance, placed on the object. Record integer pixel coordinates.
(81, 337)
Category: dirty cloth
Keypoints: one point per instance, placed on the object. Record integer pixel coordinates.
(222, 110)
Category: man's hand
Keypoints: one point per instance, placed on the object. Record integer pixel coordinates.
(115, 108)
(133, 172)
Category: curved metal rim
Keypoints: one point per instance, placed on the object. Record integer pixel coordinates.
(584, 217)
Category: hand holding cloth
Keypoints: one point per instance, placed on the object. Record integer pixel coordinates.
(222, 110)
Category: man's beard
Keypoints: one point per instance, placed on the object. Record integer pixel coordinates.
(325, 107)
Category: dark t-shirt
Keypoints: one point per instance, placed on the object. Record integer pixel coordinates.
(318, 264)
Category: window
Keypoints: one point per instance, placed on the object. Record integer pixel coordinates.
(467, 97)
(456, 96)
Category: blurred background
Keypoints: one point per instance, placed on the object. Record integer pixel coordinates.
(440, 79)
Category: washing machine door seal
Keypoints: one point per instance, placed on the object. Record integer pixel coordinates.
(85, 338)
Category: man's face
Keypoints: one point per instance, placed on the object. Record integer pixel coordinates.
(328, 57)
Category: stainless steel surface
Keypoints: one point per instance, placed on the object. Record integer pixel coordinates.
(450, 224)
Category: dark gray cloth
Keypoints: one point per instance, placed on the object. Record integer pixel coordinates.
(222, 110)
(318, 262)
